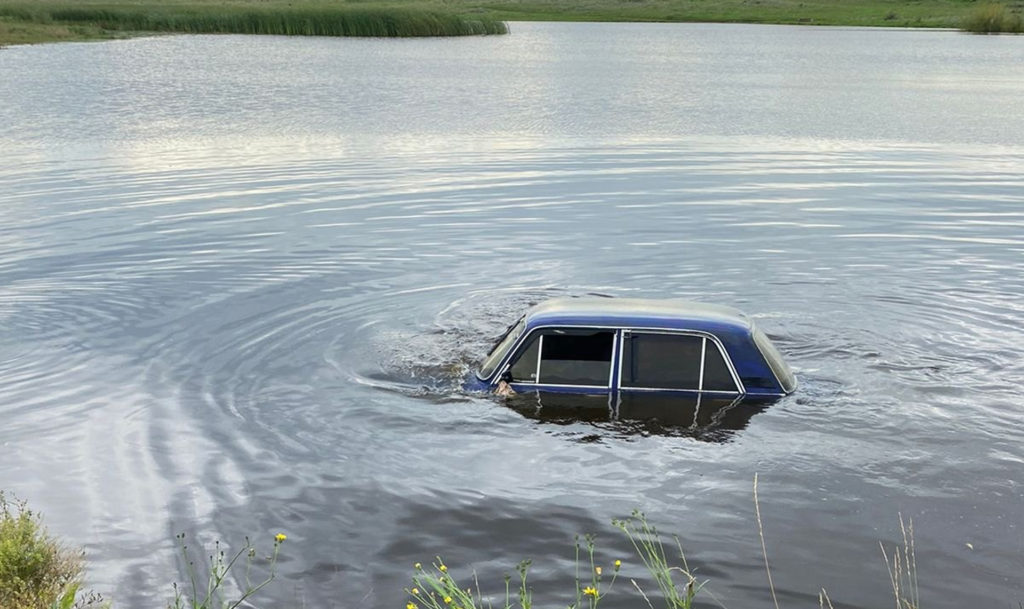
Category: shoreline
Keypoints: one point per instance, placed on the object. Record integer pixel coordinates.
(44, 21)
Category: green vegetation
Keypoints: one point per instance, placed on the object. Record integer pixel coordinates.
(211, 596)
(993, 19)
(46, 20)
(25, 21)
(36, 570)
(437, 588)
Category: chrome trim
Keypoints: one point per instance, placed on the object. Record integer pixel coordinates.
(540, 350)
(542, 386)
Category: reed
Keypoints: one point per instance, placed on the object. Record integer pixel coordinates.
(992, 19)
(316, 20)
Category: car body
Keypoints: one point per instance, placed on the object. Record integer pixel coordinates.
(594, 345)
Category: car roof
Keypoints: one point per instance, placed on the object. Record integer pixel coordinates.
(637, 312)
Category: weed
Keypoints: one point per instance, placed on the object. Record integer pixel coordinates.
(221, 568)
(36, 570)
(992, 19)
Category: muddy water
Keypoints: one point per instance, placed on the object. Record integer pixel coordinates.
(241, 280)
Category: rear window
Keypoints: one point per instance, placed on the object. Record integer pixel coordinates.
(775, 361)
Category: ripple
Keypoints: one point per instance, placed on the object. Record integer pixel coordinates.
(236, 334)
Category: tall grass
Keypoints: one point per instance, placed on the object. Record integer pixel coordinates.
(992, 19)
(324, 20)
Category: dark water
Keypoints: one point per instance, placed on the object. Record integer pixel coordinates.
(241, 278)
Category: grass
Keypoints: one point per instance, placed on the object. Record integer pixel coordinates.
(993, 19)
(437, 588)
(36, 570)
(53, 20)
(211, 593)
(678, 587)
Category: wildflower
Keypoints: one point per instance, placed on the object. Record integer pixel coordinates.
(280, 537)
(597, 570)
(442, 568)
(415, 591)
(618, 563)
(411, 606)
(447, 600)
(590, 591)
(417, 566)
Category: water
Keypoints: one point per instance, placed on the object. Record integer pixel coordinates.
(241, 278)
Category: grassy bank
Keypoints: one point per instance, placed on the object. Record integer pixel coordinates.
(45, 20)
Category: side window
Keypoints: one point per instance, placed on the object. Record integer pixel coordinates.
(661, 361)
(674, 361)
(576, 357)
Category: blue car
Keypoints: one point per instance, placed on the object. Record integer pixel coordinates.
(624, 346)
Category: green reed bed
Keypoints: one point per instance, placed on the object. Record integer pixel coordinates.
(314, 20)
(993, 19)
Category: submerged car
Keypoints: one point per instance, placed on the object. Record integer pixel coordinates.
(596, 345)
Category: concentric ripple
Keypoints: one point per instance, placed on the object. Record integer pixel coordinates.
(231, 310)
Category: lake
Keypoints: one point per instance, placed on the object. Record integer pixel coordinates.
(242, 279)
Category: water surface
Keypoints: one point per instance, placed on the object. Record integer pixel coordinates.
(242, 277)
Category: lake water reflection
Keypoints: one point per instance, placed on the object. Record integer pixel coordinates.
(241, 279)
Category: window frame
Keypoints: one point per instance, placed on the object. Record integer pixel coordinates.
(524, 341)
(615, 369)
(706, 336)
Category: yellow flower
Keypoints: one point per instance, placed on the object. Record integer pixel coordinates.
(417, 566)
(590, 591)
(415, 591)
(442, 568)
(597, 570)
(411, 606)
(618, 563)
(447, 600)
(280, 537)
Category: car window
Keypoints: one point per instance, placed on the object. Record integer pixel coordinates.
(661, 361)
(576, 357)
(717, 376)
(674, 361)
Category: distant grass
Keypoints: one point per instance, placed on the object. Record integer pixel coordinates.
(42, 20)
(993, 19)
(875, 13)
(38, 20)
